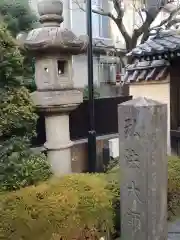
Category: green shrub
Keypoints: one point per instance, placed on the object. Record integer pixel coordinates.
(72, 207)
(113, 178)
(173, 185)
(18, 15)
(17, 116)
(21, 167)
(86, 92)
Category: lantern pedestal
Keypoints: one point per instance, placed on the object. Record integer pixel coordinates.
(56, 106)
(58, 143)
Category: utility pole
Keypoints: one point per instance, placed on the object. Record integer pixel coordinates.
(91, 132)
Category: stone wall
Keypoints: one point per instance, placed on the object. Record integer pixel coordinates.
(80, 154)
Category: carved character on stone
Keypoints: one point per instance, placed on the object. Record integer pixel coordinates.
(135, 220)
(132, 158)
(143, 162)
(129, 128)
(135, 191)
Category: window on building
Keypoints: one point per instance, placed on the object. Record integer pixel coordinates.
(104, 27)
(95, 23)
(104, 21)
(110, 69)
(100, 24)
(107, 73)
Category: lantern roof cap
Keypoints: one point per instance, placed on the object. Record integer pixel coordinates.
(50, 36)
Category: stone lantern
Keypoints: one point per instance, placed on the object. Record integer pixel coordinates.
(53, 49)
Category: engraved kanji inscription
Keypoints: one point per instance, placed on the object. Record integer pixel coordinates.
(134, 190)
(154, 179)
(153, 151)
(135, 220)
(143, 142)
(154, 223)
(129, 128)
(132, 158)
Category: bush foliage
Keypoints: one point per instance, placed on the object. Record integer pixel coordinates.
(18, 15)
(86, 92)
(18, 166)
(17, 117)
(173, 185)
(73, 207)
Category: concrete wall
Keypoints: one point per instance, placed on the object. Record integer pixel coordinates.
(79, 153)
(159, 91)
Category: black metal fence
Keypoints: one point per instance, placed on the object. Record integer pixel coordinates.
(106, 119)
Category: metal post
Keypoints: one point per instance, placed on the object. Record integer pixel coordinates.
(91, 132)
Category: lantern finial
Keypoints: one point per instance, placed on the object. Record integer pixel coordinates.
(50, 12)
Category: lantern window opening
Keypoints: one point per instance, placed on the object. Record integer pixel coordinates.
(46, 69)
(61, 67)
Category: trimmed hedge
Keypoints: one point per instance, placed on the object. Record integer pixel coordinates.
(73, 207)
(173, 185)
(77, 207)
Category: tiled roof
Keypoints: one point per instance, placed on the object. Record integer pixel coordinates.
(146, 71)
(162, 42)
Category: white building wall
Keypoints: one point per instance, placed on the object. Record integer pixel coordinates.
(158, 91)
(80, 76)
(67, 11)
(78, 20)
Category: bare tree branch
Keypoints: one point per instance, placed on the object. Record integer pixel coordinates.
(167, 20)
(172, 23)
(118, 20)
(123, 31)
(139, 11)
(144, 30)
(100, 11)
(119, 7)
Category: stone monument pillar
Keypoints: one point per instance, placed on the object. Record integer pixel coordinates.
(53, 48)
(143, 164)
